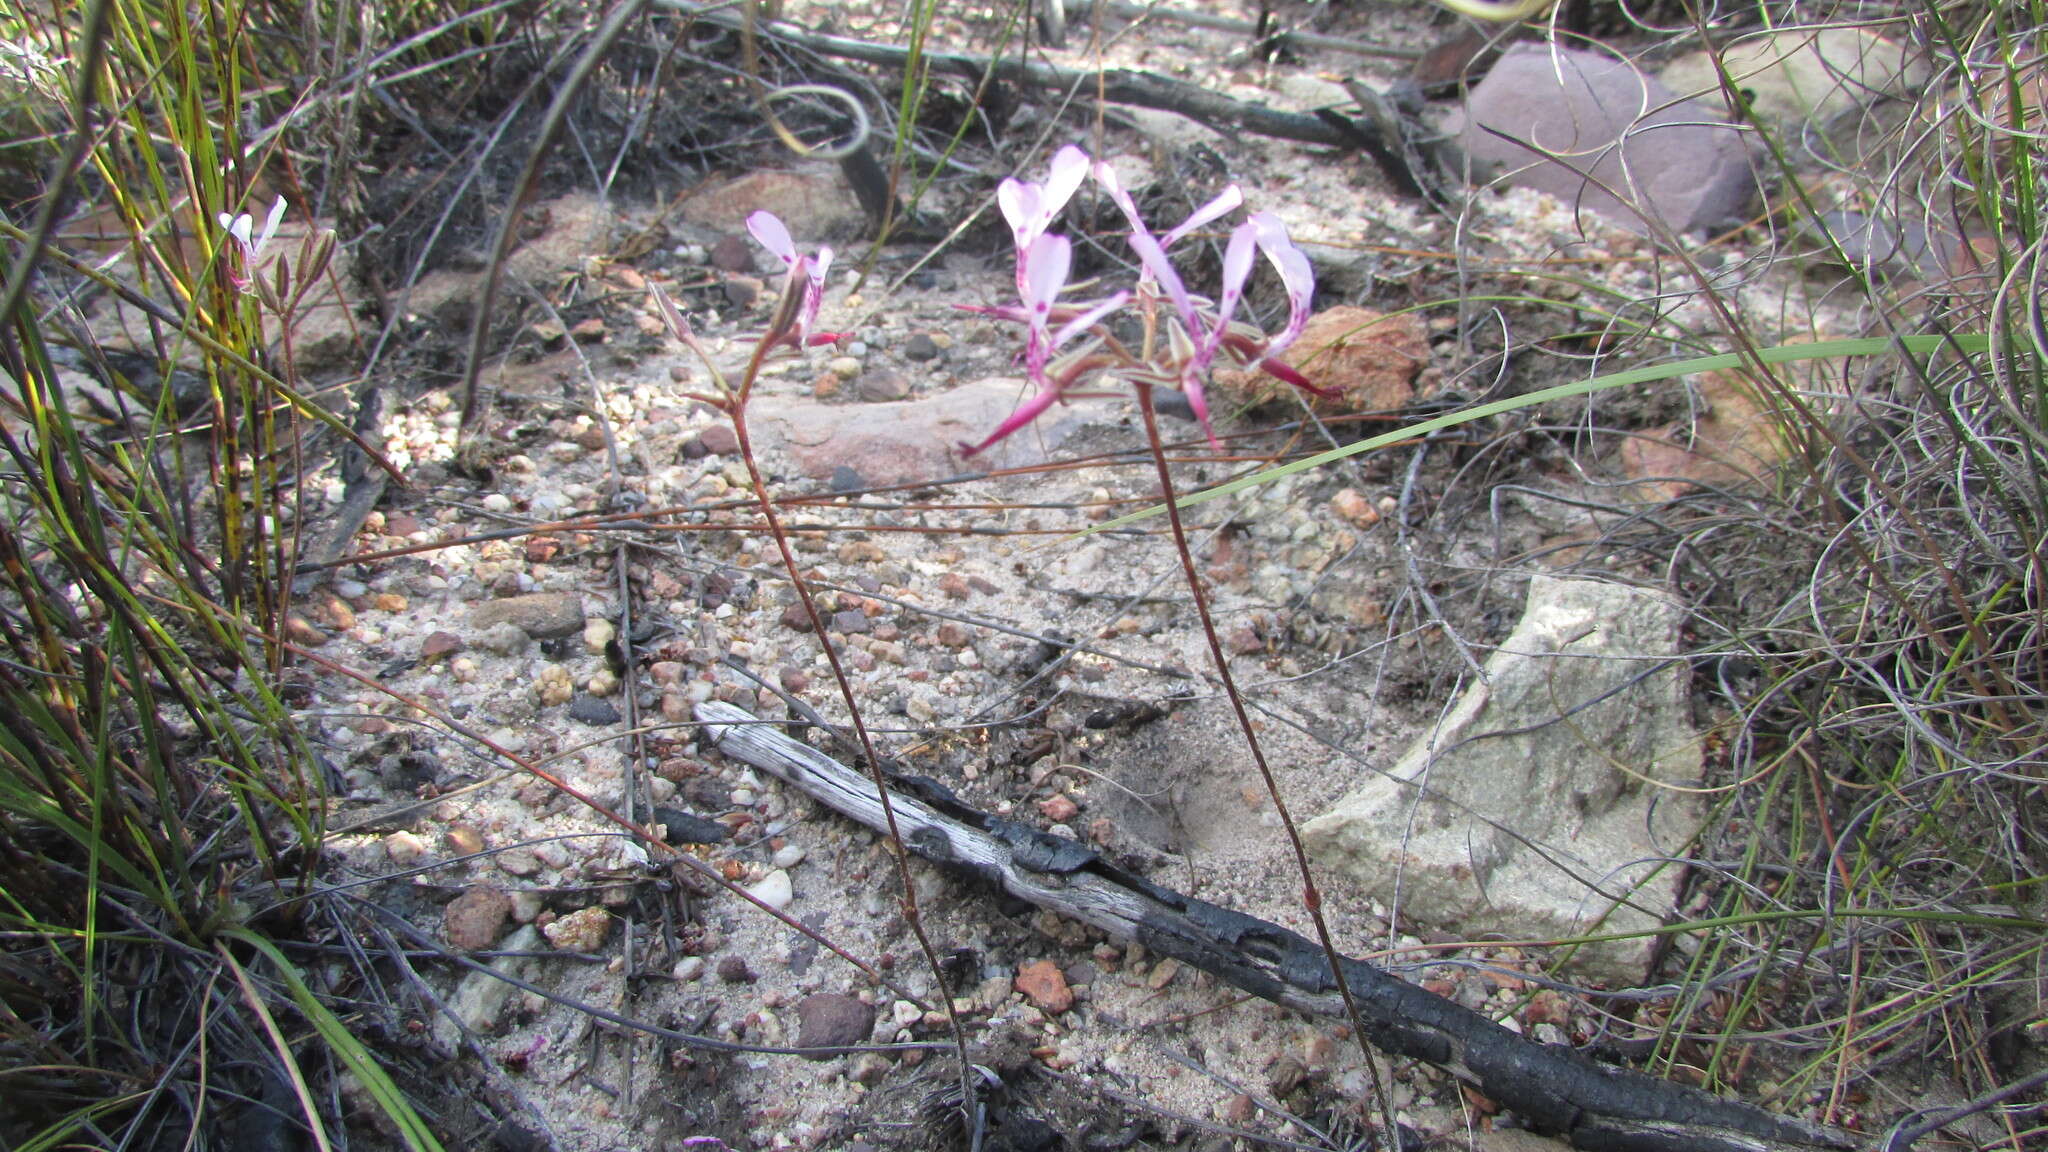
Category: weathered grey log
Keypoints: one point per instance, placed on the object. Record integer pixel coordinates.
(1117, 85)
(1556, 1089)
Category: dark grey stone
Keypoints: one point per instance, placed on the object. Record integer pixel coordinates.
(685, 828)
(593, 710)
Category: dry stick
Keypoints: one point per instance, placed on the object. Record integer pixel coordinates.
(1290, 37)
(1117, 85)
(607, 34)
(1556, 1088)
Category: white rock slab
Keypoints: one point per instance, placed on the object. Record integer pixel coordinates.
(1545, 811)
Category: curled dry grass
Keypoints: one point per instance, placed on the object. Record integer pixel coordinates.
(1878, 638)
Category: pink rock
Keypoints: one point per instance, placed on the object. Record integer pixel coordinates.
(910, 441)
(1612, 128)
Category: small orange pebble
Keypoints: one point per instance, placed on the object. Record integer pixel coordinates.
(1059, 808)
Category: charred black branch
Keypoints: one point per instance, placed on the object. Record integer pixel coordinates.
(1595, 1106)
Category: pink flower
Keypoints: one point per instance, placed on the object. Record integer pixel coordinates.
(804, 289)
(1198, 329)
(1030, 208)
(241, 228)
(1296, 276)
(1207, 333)
(1042, 269)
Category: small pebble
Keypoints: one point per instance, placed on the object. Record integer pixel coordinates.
(473, 919)
(554, 686)
(774, 889)
(593, 710)
(719, 440)
(404, 848)
(1045, 986)
(1059, 809)
(583, 930)
(734, 970)
(438, 645)
(303, 632)
(504, 638)
(832, 1020)
(787, 856)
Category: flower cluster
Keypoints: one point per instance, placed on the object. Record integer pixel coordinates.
(1198, 329)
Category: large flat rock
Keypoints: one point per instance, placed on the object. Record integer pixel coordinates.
(918, 441)
(1596, 133)
(1545, 804)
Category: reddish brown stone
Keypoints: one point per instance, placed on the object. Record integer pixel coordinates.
(1059, 809)
(1370, 362)
(720, 440)
(303, 632)
(438, 645)
(473, 920)
(1045, 986)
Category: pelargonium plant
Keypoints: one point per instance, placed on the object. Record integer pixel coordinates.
(803, 291)
(1196, 329)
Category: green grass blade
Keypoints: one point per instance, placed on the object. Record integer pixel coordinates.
(350, 1050)
(1919, 345)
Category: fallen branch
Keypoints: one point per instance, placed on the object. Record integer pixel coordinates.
(1556, 1089)
(1118, 85)
(1285, 37)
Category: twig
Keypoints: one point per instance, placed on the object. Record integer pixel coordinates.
(1557, 1089)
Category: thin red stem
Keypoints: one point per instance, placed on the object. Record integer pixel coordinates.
(874, 762)
(1310, 895)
